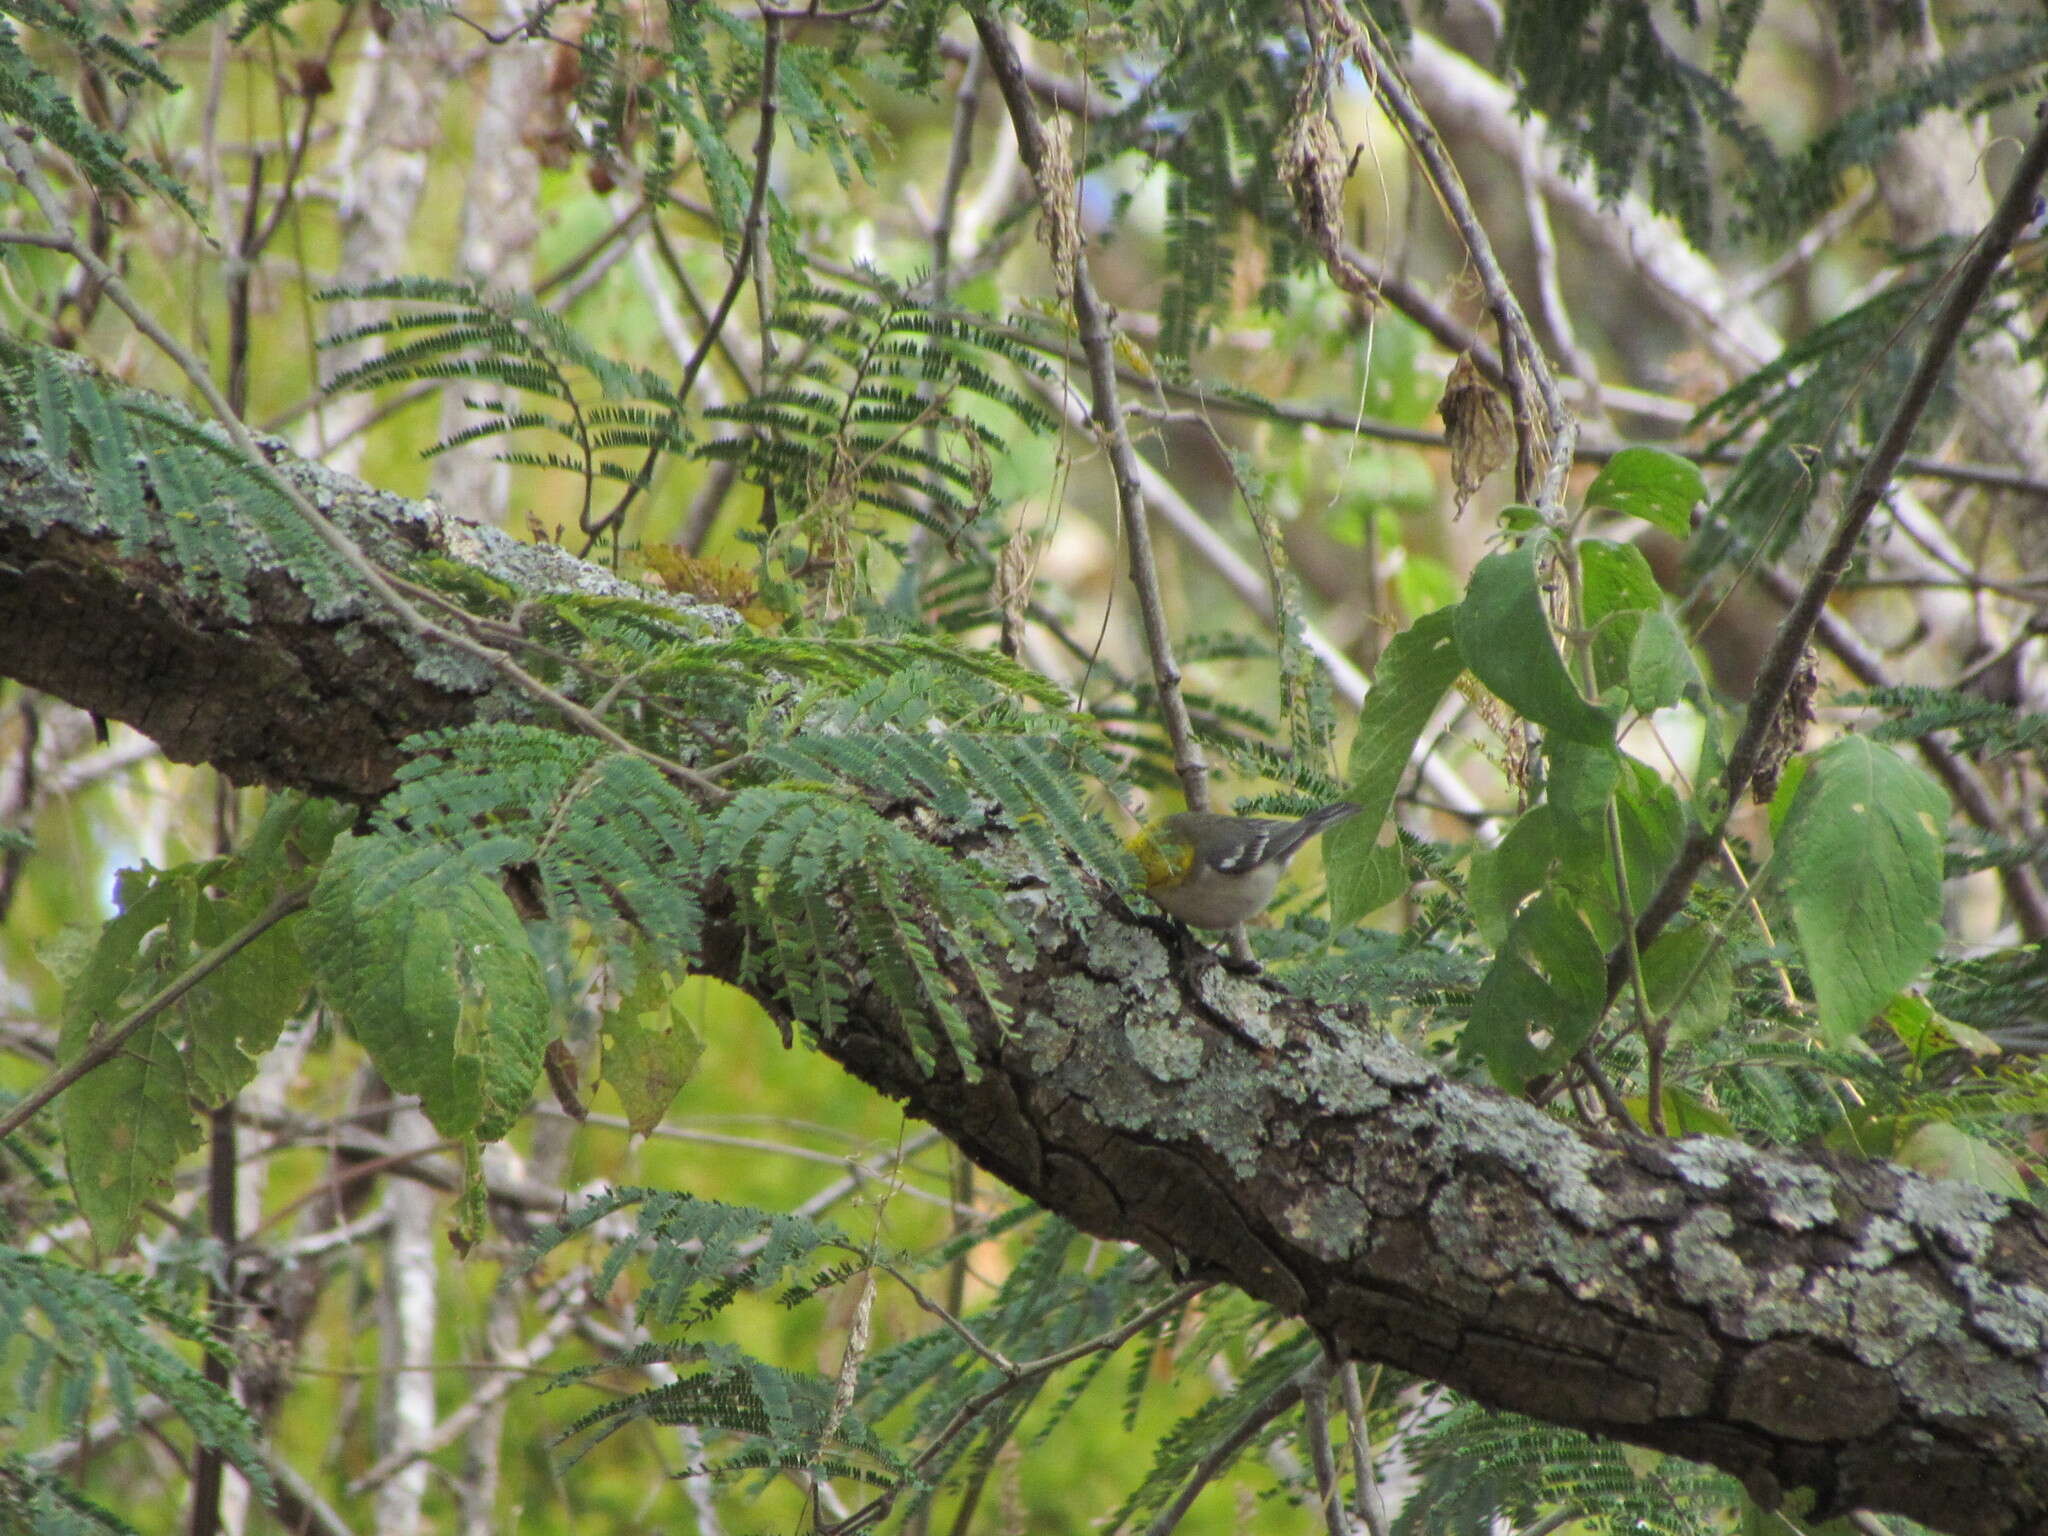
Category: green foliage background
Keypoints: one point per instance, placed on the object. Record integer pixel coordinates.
(893, 445)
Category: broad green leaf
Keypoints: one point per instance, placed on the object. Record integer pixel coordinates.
(295, 831)
(437, 980)
(1516, 867)
(1582, 780)
(1790, 778)
(1944, 1151)
(1616, 578)
(1617, 590)
(1651, 483)
(1927, 1033)
(1684, 1115)
(1562, 844)
(651, 1048)
(1505, 637)
(1661, 669)
(1652, 827)
(1420, 664)
(1690, 981)
(127, 1122)
(1860, 862)
(1548, 981)
(236, 1014)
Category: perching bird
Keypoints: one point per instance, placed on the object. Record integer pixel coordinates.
(1215, 871)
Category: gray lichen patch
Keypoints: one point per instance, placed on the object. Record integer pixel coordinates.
(1708, 1272)
(1882, 1240)
(1548, 1157)
(1241, 999)
(1163, 1046)
(1963, 1381)
(548, 568)
(1135, 954)
(2011, 1316)
(1889, 1315)
(1327, 1220)
(1960, 1215)
(1340, 1079)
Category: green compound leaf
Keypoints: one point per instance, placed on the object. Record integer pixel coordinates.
(651, 1048)
(1860, 860)
(437, 980)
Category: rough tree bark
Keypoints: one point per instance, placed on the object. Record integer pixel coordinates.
(1841, 1327)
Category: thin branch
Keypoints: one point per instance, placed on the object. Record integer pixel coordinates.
(1525, 367)
(959, 1330)
(1091, 318)
(36, 237)
(742, 265)
(1018, 1375)
(1255, 593)
(555, 1304)
(1549, 290)
(1213, 1464)
(1073, 99)
(1775, 676)
(1829, 227)
(1322, 1455)
(1460, 339)
(811, 12)
(1366, 1501)
(966, 108)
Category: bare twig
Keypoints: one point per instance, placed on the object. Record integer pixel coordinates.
(556, 1304)
(1256, 593)
(1322, 1454)
(1460, 339)
(944, 1314)
(966, 107)
(1014, 1376)
(1224, 1453)
(1091, 318)
(742, 265)
(1538, 467)
(1366, 1501)
(1549, 291)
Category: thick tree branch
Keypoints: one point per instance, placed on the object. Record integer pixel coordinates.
(1843, 1327)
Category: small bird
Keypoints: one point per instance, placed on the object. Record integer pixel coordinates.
(1216, 871)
